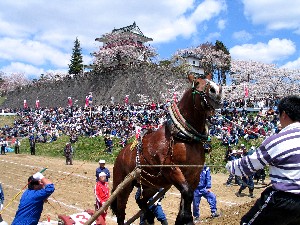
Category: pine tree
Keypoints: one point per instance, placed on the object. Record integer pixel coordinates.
(76, 65)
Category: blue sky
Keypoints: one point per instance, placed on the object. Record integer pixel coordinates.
(38, 36)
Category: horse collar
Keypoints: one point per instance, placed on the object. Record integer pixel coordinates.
(180, 128)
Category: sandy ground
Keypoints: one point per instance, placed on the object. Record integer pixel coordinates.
(75, 185)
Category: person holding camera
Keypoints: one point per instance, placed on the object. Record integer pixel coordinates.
(33, 199)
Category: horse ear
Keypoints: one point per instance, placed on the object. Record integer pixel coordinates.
(191, 77)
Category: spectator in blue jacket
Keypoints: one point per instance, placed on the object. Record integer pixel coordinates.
(32, 200)
(204, 190)
(102, 168)
(109, 144)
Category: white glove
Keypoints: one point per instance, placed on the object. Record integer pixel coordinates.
(1, 206)
(228, 166)
(38, 176)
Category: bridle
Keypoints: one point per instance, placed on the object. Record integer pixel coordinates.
(178, 125)
(202, 93)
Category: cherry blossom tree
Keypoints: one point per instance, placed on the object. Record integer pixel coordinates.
(13, 81)
(261, 80)
(122, 48)
(212, 59)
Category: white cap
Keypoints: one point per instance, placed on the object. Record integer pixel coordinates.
(101, 161)
(102, 174)
(242, 145)
(252, 148)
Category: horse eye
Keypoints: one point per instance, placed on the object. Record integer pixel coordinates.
(212, 90)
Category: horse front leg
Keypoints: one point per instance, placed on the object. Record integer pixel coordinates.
(118, 206)
(185, 211)
(122, 202)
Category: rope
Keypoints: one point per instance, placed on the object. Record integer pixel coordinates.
(174, 165)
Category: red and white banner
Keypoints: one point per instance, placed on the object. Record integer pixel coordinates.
(70, 102)
(126, 99)
(86, 101)
(138, 130)
(37, 103)
(25, 104)
(246, 90)
(175, 98)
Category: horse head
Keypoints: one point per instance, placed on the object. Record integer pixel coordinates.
(208, 90)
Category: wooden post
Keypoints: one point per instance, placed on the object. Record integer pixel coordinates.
(133, 175)
(157, 196)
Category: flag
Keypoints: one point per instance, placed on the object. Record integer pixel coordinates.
(126, 99)
(70, 102)
(37, 103)
(25, 104)
(138, 130)
(86, 101)
(90, 99)
(175, 97)
(246, 90)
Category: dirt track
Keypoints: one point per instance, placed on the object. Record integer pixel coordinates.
(75, 184)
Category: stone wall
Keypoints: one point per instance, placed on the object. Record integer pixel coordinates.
(152, 81)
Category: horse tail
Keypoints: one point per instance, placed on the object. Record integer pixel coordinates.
(114, 205)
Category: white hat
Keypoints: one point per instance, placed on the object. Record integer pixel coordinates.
(252, 148)
(101, 161)
(242, 145)
(102, 174)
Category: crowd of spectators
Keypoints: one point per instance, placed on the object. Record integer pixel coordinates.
(47, 124)
(251, 102)
(230, 126)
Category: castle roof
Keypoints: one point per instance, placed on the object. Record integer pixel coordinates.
(128, 29)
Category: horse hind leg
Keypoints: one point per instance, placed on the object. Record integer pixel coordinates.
(185, 211)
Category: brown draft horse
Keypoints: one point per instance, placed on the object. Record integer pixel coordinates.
(178, 142)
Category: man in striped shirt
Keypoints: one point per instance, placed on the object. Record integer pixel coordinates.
(280, 203)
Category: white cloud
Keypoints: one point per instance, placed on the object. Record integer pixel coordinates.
(242, 36)
(17, 67)
(33, 52)
(42, 33)
(58, 22)
(292, 65)
(28, 70)
(275, 50)
(211, 37)
(221, 24)
(275, 14)
(176, 25)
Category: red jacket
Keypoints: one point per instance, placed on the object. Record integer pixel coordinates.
(101, 192)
